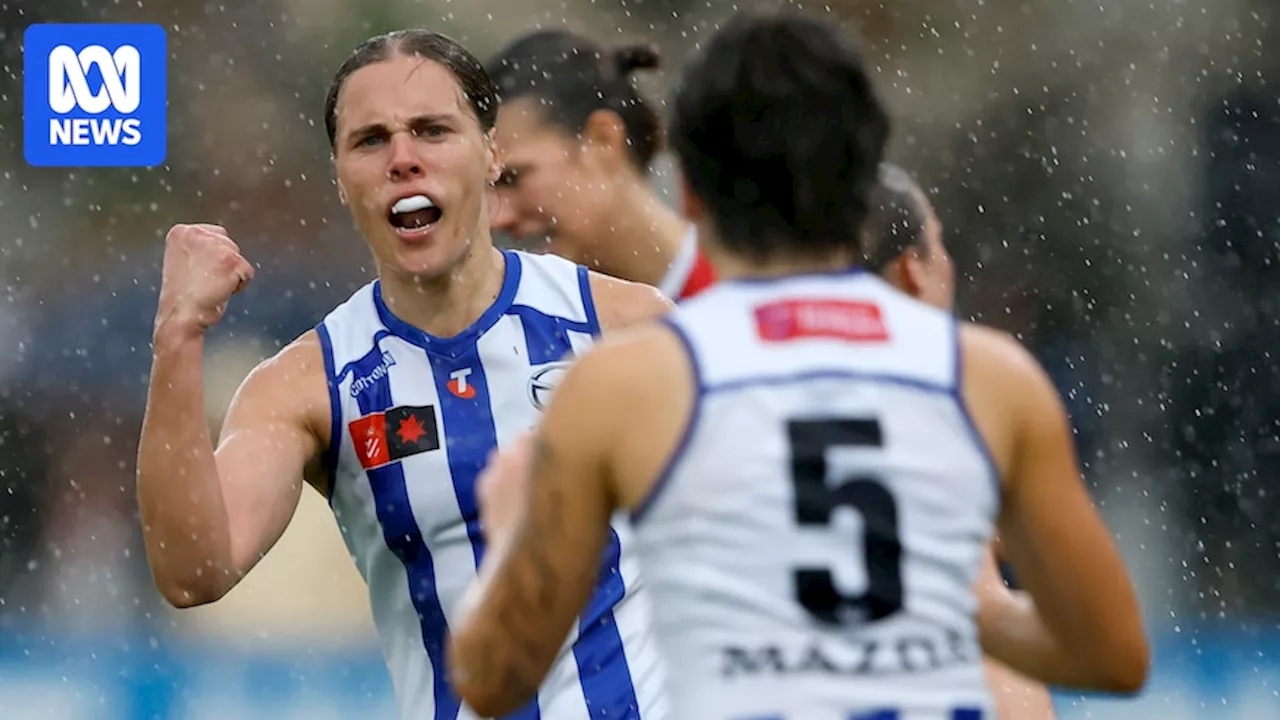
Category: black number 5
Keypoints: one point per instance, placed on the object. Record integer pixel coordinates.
(815, 500)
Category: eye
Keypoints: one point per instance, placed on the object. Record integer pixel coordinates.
(431, 131)
(368, 141)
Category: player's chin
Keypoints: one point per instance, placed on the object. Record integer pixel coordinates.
(427, 260)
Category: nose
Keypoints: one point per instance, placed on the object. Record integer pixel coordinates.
(405, 163)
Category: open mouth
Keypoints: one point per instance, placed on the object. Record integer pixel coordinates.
(415, 213)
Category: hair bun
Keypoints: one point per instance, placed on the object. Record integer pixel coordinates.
(640, 56)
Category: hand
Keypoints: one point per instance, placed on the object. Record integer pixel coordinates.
(990, 585)
(203, 268)
(503, 488)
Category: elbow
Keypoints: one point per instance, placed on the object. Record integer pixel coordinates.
(184, 593)
(490, 704)
(1126, 668)
(487, 696)
(491, 693)
(185, 581)
(183, 600)
(1131, 677)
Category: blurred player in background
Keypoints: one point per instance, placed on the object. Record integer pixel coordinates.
(902, 243)
(391, 405)
(813, 459)
(577, 140)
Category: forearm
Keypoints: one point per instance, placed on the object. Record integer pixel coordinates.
(1013, 633)
(502, 650)
(1018, 698)
(184, 518)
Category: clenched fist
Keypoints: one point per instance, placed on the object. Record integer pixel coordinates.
(203, 268)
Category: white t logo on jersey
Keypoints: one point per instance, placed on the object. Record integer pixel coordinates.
(458, 384)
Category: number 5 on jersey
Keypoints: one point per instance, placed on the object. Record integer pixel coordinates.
(815, 500)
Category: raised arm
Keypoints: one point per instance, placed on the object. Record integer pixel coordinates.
(208, 517)
(1084, 629)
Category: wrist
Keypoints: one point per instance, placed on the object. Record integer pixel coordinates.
(172, 330)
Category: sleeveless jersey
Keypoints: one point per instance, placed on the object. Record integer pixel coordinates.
(414, 420)
(812, 546)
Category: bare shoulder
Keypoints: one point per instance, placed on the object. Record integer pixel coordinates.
(1004, 387)
(991, 354)
(292, 384)
(637, 358)
(622, 303)
(294, 366)
(644, 372)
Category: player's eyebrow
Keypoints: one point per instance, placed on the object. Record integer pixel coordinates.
(377, 129)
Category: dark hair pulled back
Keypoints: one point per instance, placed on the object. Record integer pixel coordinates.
(572, 76)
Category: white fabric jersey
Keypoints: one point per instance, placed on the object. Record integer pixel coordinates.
(813, 544)
(414, 420)
(682, 266)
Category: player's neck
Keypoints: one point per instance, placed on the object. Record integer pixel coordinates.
(445, 306)
(645, 237)
(730, 266)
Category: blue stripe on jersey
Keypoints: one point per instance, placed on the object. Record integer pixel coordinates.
(403, 537)
(469, 437)
(469, 433)
(335, 411)
(602, 660)
(588, 300)
(599, 653)
(546, 338)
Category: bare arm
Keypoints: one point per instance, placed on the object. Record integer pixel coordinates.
(621, 303)
(1016, 697)
(208, 517)
(1084, 629)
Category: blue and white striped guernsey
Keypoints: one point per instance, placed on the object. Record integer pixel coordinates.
(414, 419)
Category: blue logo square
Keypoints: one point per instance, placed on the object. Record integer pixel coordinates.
(94, 95)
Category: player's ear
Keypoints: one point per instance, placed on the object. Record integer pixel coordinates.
(492, 157)
(342, 192)
(604, 137)
(911, 272)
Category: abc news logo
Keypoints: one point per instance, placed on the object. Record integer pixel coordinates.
(95, 95)
(69, 89)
